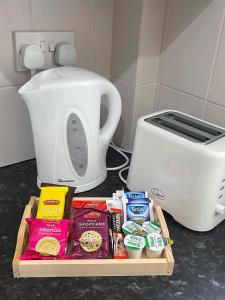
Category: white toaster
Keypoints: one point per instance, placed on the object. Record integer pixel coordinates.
(180, 161)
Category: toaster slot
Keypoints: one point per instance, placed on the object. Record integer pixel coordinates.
(187, 127)
(207, 128)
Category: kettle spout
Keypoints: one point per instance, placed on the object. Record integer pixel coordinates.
(29, 87)
(27, 92)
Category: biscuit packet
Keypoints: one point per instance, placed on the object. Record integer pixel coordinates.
(52, 202)
(47, 239)
(68, 198)
(90, 234)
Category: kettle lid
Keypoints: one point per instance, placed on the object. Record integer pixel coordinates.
(64, 76)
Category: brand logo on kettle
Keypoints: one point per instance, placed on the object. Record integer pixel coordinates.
(65, 180)
(137, 210)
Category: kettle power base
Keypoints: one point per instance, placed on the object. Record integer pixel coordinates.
(81, 188)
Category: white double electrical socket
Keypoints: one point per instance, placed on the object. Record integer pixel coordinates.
(46, 40)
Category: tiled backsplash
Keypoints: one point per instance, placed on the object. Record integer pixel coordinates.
(180, 65)
(190, 76)
(136, 42)
(192, 62)
(126, 30)
(91, 21)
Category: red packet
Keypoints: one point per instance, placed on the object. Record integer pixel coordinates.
(100, 205)
(119, 249)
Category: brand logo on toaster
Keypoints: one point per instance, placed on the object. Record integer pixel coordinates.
(138, 210)
(158, 194)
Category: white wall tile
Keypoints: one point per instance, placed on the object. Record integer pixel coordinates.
(150, 41)
(144, 100)
(14, 15)
(17, 144)
(191, 39)
(12, 106)
(127, 20)
(215, 114)
(163, 39)
(217, 90)
(123, 133)
(65, 15)
(137, 31)
(101, 36)
(15, 129)
(168, 98)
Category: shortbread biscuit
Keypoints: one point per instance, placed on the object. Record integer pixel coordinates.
(90, 241)
(48, 246)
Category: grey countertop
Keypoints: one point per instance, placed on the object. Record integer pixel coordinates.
(199, 271)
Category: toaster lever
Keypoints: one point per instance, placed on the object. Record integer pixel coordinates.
(220, 209)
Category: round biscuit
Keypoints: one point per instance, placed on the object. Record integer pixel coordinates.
(90, 241)
(48, 246)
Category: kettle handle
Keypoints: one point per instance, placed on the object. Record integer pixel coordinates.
(114, 111)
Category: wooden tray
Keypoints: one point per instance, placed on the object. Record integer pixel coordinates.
(91, 267)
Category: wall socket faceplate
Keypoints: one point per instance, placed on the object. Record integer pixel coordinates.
(46, 40)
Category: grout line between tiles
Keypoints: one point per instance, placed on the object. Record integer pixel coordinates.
(167, 14)
(11, 86)
(90, 56)
(182, 92)
(114, 78)
(212, 72)
(145, 84)
(216, 104)
(139, 42)
(156, 97)
(111, 41)
(138, 65)
(30, 14)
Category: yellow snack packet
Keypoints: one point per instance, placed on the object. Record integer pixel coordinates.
(52, 202)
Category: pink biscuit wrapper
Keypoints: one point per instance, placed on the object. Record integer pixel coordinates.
(39, 229)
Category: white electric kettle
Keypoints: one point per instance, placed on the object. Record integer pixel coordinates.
(64, 105)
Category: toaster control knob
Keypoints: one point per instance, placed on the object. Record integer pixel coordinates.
(220, 209)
